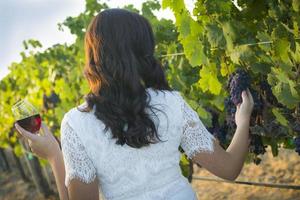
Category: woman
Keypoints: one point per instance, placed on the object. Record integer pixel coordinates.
(124, 139)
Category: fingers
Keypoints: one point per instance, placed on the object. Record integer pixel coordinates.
(45, 129)
(244, 95)
(30, 143)
(250, 96)
(26, 134)
(31, 146)
(238, 106)
(247, 97)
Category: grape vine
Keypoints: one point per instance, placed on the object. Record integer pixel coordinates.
(235, 45)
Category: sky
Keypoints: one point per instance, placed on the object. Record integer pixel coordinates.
(37, 19)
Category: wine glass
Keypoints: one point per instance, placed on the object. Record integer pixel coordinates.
(27, 116)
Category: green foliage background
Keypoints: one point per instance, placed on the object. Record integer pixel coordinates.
(264, 39)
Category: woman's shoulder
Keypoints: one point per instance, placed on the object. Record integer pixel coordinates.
(76, 114)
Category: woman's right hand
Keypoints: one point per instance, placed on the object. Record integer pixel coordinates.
(244, 109)
(44, 145)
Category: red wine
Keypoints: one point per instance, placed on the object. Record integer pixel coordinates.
(31, 124)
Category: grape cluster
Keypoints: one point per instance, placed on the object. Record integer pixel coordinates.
(296, 127)
(297, 144)
(221, 133)
(256, 160)
(218, 131)
(230, 113)
(230, 107)
(50, 102)
(238, 81)
(263, 98)
(256, 145)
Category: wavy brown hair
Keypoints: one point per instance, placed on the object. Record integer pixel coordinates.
(120, 66)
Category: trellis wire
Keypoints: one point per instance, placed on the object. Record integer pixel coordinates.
(248, 44)
(272, 185)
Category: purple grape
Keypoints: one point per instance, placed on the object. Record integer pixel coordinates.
(257, 160)
(256, 145)
(238, 82)
(296, 127)
(297, 144)
(229, 106)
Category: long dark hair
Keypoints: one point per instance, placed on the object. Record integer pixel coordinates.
(120, 66)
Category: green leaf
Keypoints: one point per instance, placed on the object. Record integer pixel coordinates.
(262, 68)
(296, 55)
(285, 89)
(18, 150)
(279, 117)
(274, 147)
(215, 35)
(184, 160)
(183, 25)
(264, 37)
(184, 165)
(166, 3)
(281, 75)
(194, 104)
(202, 112)
(229, 34)
(209, 80)
(296, 5)
(218, 101)
(194, 51)
(281, 47)
(226, 69)
(289, 143)
(176, 5)
(215, 85)
(283, 93)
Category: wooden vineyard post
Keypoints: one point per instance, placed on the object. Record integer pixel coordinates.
(5, 161)
(38, 178)
(20, 167)
(47, 176)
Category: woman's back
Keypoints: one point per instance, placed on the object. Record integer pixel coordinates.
(150, 172)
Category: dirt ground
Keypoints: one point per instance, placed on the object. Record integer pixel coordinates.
(282, 169)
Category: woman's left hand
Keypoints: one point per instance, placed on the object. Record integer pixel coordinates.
(43, 145)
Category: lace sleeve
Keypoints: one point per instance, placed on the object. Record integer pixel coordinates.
(77, 163)
(195, 138)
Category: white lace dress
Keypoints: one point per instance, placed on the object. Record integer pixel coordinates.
(126, 173)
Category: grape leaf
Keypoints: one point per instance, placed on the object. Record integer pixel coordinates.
(279, 117)
(281, 47)
(274, 147)
(215, 35)
(296, 5)
(208, 80)
(194, 51)
(229, 35)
